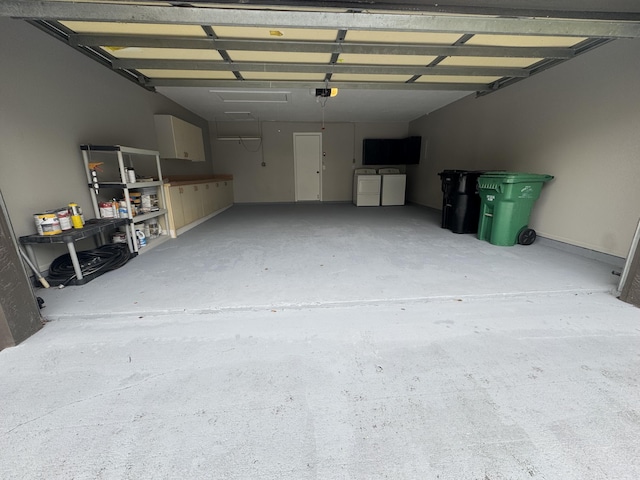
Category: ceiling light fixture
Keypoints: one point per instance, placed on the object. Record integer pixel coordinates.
(240, 116)
(252, 96)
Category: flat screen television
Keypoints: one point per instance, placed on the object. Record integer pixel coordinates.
(391, 151)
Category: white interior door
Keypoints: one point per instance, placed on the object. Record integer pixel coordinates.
(307, 154)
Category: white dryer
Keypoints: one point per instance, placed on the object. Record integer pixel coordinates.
(366, 187)
(393, 186)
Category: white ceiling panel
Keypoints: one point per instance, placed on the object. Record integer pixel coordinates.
(523, 41)
(136, 28)
(357, 77)
(393, 37)
(163, 53)
(286, 76)
(455, 79)
(489, 61)
(278, 57)
(275, 33)
(356, 59)
(204, 74)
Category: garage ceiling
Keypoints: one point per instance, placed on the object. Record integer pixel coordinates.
(390, 60)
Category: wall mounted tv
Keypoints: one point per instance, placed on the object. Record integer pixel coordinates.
(391, 151)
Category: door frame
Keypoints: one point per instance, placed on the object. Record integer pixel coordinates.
(295, 163)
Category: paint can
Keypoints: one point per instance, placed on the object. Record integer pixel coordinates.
(119, 237)
(65, 219)
(47, 224)
(76, 215)
(107, 210)
(37, 218)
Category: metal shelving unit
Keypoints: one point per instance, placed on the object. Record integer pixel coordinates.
(118, 152)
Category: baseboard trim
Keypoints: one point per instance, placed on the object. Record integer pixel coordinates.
(583, 252)
(186, 228)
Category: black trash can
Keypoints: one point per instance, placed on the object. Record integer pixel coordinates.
(460, 200)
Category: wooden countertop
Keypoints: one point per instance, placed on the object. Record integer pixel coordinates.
(193, 179)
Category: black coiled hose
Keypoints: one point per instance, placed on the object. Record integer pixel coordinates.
(99, 260)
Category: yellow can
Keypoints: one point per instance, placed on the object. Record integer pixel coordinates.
(47, 224)
(76, 218)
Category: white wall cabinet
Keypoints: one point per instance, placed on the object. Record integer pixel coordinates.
(191, 203)
(179, 139)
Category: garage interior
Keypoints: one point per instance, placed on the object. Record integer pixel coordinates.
(289, 339)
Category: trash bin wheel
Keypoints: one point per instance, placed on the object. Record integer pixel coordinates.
(527, 236)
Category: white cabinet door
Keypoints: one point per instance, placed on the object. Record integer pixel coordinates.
(192, 203)
(179, 139)
(227, 194)
(209, 201)
(176, 215)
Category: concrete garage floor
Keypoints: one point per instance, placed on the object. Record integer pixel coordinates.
(330, 342)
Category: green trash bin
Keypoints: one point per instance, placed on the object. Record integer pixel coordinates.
(506, 201)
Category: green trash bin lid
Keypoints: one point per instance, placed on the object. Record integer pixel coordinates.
(515, 177)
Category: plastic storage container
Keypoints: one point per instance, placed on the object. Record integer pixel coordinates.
(507, 199)
(460, 200)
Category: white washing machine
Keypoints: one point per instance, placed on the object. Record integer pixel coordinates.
(366, 187)
(393, 186)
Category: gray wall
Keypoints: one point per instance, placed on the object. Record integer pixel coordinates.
(579, 122)
(53, 100)
(274, 182)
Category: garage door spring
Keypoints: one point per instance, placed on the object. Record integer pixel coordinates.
(99, 260)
